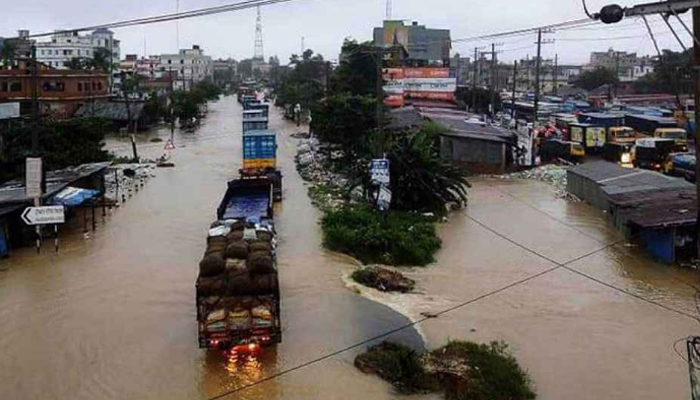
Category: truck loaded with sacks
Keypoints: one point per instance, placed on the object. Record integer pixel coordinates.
(238, 296)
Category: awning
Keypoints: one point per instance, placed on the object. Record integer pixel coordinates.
(73, 197)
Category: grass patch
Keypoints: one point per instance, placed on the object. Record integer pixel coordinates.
(399, 365)
(460, 370)
(402, 239)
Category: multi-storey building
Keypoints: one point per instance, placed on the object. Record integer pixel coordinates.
(64, 46)
(190, 65)
(426, 47)
(628, 66)
(60, 92)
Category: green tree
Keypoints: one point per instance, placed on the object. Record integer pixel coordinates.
(100, 61)
(303, 83)
(346, 120)
(7, 52)
(596, 78)
(420, 180)
(61, 144)
(673, 73)
(357, 72)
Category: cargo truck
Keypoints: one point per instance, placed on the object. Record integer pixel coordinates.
(659, 127)
(681, 165)
(237, 290)
(592, 137)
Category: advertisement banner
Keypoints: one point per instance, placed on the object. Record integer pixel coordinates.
(447, 96)
(430, 85)
(392, 73)
(394, 87)
(427, 72)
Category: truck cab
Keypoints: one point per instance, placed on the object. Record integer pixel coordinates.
(621, 134)
(677, 134)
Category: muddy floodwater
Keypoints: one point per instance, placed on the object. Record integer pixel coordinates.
(112, 315)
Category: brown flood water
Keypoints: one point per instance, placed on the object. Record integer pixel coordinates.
(112, 316)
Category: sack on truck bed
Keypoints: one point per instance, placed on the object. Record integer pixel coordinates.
(265, 284)
(237, 250)
(210, 287)
(216, 240)
(261, 263)
(235, 236)
(239, 320)
(235, 266)
(264, 235)
(212, 265)
(259, 246)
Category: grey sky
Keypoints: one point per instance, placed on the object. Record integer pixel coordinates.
(325, 23)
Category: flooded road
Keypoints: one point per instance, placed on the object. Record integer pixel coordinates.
(113, 316)
(578, 338)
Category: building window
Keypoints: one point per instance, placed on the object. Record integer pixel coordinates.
(15, 86)
(3, 87)
(80, 86)
(94, 85)
(170, 61)
(182, 61)
(99, 85)
(53, 86)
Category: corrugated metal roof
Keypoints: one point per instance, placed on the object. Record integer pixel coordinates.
(15, 192)
(115, 111)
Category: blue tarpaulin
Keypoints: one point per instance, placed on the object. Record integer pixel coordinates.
(73, 197)
(3, 242)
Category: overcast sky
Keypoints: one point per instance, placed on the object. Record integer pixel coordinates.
(325, 23)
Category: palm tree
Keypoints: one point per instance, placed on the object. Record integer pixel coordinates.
(420, 180)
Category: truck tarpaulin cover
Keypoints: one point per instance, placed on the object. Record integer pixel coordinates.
(73, 197)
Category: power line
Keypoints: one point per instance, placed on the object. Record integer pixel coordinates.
(556, 267)
(170, 17)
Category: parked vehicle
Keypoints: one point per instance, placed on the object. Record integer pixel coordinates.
(244, 91)
(592, 137)
(553, 149)
(621, 134)
(260, 158)
(681, 164)
(237, 291)
(262, 107)
(601, 119)
(678, 134)
(651, 153)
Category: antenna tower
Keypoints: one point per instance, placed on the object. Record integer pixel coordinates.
(259, 53)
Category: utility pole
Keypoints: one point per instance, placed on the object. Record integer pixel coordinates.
(557, 71)
(515, 85)
(172, 105)
(537, 78)
(493, 80)
(476, 71)
(696, 64)
(378, 57)
(35, 102)
(617, 71)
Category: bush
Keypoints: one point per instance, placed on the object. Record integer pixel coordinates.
(399, 365)
(383, 279)
(401, 239)
(492, 372)
(461, 370)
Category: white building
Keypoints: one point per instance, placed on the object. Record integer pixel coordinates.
(190, 65)
(65, 46)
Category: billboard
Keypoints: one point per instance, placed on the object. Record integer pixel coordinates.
(427, 72)
(418, 83)
(9, 110)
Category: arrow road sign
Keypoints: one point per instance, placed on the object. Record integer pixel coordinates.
(169, 145)
(47, 215)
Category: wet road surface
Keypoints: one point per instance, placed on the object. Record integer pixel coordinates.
(113, 316)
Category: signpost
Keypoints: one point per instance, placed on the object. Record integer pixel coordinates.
(380, 176)
(46, 215)
(33, 178)
(9, 110)
(379, 172)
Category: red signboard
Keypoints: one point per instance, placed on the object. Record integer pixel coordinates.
(426, 72)
(450, 96)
